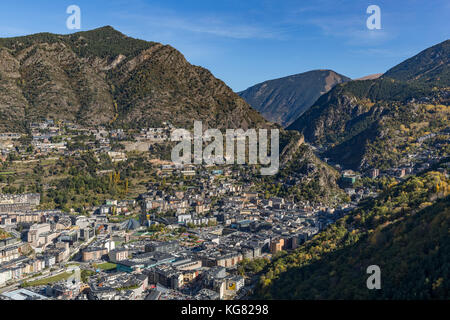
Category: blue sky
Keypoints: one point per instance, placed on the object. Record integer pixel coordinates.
(246, 42)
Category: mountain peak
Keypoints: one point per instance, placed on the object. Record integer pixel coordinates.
(104, 30)
(102, 77)
(283, 100)
(107, 27)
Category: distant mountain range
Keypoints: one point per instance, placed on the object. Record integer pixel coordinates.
(284, 100)
(361, 124)
(104, 77)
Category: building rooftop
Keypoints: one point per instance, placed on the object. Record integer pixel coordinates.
(24, 294)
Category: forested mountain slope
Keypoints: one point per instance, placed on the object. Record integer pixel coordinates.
(405, 231)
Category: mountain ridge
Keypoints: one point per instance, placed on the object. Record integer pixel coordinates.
(104, 77)
(357, 123)
(429, 65)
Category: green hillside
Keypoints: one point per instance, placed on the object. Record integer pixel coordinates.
(405, 231)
